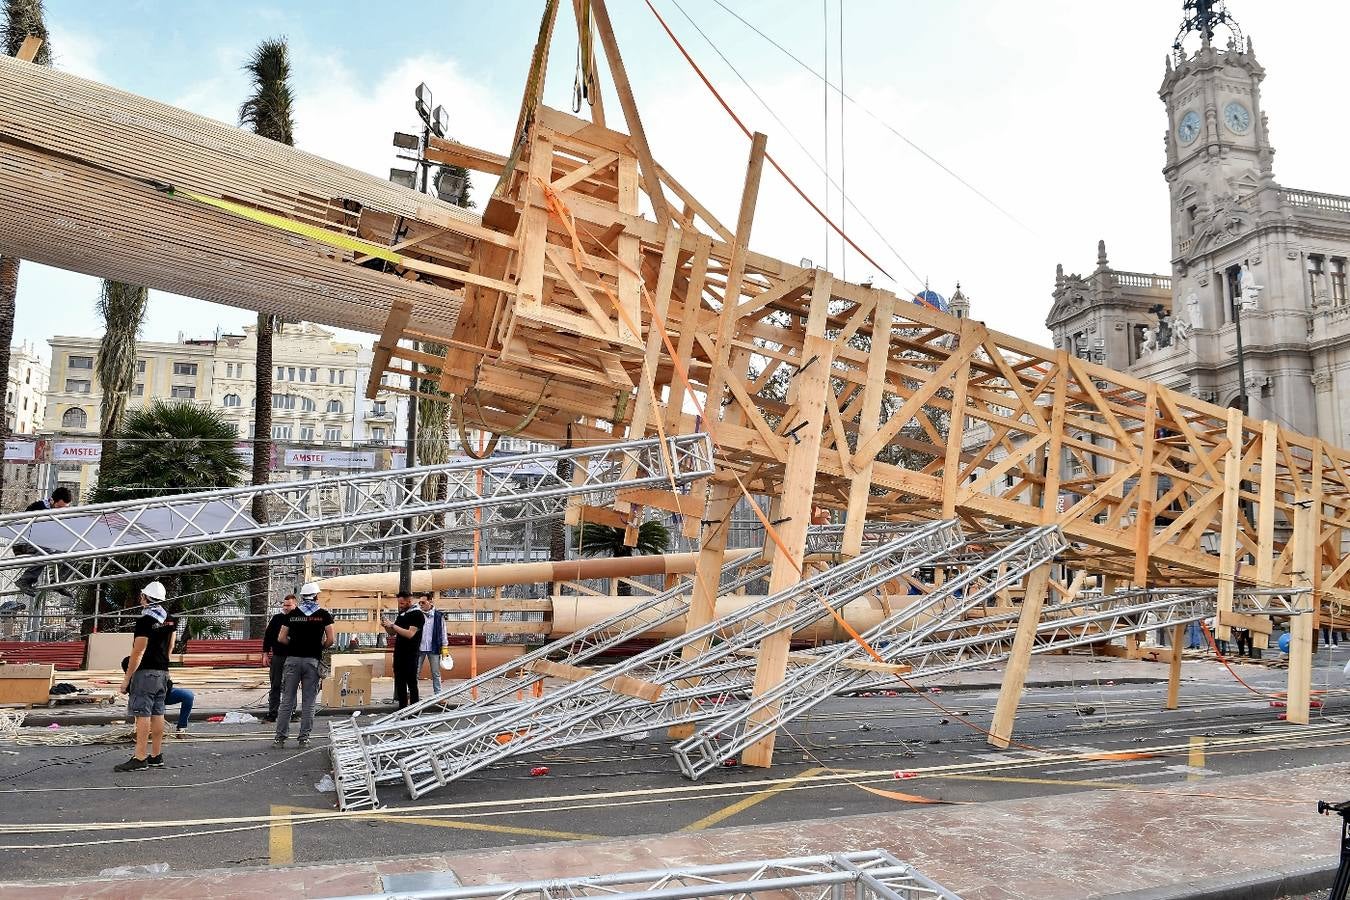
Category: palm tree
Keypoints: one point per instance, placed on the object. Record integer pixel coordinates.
(269, 111)
(433, 448)
(22, 19)
(123, 309)
(176, 448)
(605, 540)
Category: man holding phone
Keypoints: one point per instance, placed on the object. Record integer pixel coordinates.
(406, 630)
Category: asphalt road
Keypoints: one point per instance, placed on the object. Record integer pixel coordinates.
(63, 812)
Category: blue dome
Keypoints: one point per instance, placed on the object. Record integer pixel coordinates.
(931, 299)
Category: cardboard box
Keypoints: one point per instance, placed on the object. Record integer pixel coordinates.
(25, 683)
(347, 686)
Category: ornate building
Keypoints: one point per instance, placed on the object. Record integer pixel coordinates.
(1257, 295)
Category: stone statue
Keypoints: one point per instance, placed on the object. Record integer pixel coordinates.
(1251, 291)
(1150, 344)
(1183, 323)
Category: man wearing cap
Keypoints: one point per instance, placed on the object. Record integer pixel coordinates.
(146, 683)
(307, 630)
(274, 655)
(406, 630)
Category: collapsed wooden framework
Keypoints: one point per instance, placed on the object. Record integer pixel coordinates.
(599, 299)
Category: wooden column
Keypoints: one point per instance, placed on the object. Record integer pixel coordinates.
(1014, 679)
(1305, 561)
(1174, 669)
(877, 359)
(809, 388)
(1228, 524)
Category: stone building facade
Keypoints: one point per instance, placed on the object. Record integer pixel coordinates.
(1250, 258)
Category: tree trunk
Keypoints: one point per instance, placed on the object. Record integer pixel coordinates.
(9, 289)
(260, 580)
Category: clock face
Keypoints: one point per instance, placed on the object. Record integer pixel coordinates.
(1189, 127)
(1236, 117)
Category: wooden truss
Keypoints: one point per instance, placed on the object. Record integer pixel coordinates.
(599, 299)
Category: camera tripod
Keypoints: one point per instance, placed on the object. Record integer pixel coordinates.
(1342, 882)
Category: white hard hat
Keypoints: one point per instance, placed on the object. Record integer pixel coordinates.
(154, 590)
(309, 589)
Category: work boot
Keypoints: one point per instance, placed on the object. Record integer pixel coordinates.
(279, 743)
(131, 765)
(156, 761)
(303, 742)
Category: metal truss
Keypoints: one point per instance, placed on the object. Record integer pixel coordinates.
(183, 532)
(860, 874)
(996, 563)
(594, 707)
(493, 693)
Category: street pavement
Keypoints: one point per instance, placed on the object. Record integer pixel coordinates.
(64, 812)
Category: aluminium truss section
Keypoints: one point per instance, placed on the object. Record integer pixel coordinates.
(863, 875)
(110, 541)
(987, 567)
(599, 704)
(493, 693)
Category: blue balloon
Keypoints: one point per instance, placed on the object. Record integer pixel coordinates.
(1284, 642)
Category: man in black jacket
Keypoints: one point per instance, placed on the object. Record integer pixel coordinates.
(274, 655)
(406, 630)
(27, 581)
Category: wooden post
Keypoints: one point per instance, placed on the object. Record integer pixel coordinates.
(1174, 670)
(1228, 524)
(1015, 678)
(1143, 535)
(1306, 559)
(861, 485)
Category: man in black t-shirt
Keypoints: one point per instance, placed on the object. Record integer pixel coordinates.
(406, 630)
(274, 655)
(307, 630)
(27, 582)
(146, 683)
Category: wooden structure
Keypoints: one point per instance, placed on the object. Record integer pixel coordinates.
(599, 298)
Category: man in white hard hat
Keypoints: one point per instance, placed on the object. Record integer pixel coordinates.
(308, 629)
(146, 683)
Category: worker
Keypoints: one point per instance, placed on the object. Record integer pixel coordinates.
(274, 655)
(307, 631)
(406, 631)
(433, 639)
(27, 581)
(146, 682)
(176, 696)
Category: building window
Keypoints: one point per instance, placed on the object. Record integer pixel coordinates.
(77, 386)
(313, 374)
(281, 432)
(1338, 282)
(1314, 276)
(232, 400)
(28, 376)
(80, 362)
(379, 409)
(283, 401)
(138, 391)
(332, 434)
(183, 392)
(335, 406)
(140, 367)
(25, 404)
(377, 435)
(307, 433)
(281, 374)
(74, 418)
(290, 373)
(184, 368)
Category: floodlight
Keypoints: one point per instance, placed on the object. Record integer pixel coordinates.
(450, 186)
(440, 121)
(405, 177)
(424, 102)
(405, 141)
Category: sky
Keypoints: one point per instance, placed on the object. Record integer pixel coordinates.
(1046, 111)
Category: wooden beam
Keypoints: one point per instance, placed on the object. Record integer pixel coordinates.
(1228, 526)
(1019, 660)
(619, 684)
(1306, 561)
(1174, 666)
(869, 420)
(651, 181)
(28, 50)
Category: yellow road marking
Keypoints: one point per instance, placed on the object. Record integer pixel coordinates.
(280, 838)
(1196, 757)
(745, 803)
(1013, 779)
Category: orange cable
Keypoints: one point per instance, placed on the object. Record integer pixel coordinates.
(773, 162)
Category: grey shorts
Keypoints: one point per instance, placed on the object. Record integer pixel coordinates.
(149, 687)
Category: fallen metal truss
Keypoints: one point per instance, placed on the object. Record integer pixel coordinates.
(990, 567)
(127, 539)
(599, 703)
(863, 875)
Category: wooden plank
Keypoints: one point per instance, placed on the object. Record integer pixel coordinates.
(1228, 539)
(1306, 562)
(1019, 659)
(1174, 666)
(869, 422)
(1265, 517)
(28, 50)
(1143, 525)
(619, 684)
(399, 314)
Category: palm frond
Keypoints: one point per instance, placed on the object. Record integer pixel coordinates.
(269, 110)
